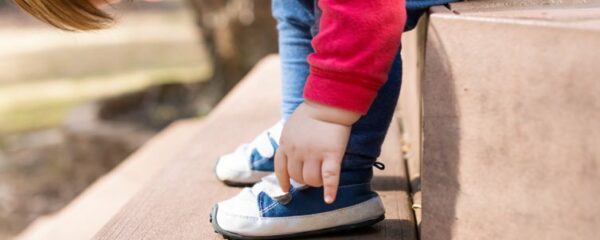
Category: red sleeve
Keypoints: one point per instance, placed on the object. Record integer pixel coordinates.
(354, 49)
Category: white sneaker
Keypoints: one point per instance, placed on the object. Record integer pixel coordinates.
(264, 212)
(250, 162)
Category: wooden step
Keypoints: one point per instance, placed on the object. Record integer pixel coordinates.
(175, 204)
(413, 49)
(93, 208)
(511, 121)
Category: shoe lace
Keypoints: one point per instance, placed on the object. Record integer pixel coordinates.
(379, 165)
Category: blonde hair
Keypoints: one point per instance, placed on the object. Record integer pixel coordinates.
(70, 15)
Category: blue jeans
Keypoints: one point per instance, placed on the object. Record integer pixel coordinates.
(297, 23)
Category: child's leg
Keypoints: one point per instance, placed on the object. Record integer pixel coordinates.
(250, 162)
(369, 131)
(295, 20)
(264, 212)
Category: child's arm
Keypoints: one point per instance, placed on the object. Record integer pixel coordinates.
(354, 49)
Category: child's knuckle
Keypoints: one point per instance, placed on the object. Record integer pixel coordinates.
(329, 173)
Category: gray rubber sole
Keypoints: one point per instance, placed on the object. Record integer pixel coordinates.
(230, 235)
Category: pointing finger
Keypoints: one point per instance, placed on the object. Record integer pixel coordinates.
(281, 171)
(331, 178)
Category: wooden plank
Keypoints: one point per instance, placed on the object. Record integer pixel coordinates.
(471, 6)
(92, 209)
(413, 55)
(176, 204)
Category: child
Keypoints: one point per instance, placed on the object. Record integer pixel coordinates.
(341, 81)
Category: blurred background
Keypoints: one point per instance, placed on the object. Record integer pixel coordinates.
(74, 105)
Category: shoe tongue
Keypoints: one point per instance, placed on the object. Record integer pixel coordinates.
(275, 131)
(262, 143)
(270, 186)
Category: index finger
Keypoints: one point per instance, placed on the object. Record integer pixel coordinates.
(330, 171)
(281, 171)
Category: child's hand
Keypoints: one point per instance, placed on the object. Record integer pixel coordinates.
(312, 146)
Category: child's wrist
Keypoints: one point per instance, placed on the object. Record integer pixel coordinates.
(331, 114)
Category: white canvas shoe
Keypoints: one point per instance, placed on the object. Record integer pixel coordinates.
(264, 212)
(250, 162)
